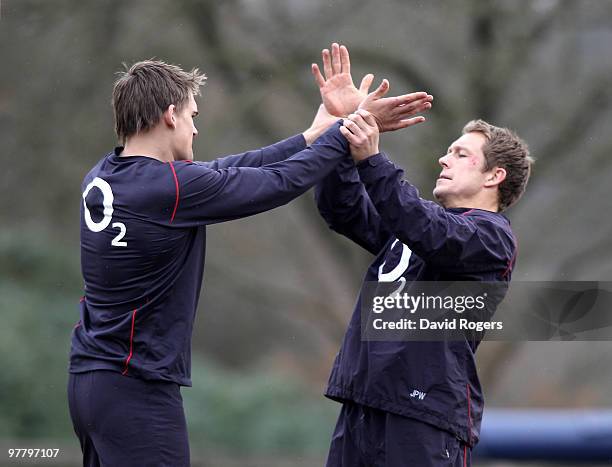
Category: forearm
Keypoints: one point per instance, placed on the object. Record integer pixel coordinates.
(424, 226)
(267, 155)
(346, 207)
(212, 196)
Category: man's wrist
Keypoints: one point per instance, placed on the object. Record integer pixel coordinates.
(371, 161)
(362, 157)
(314, 132)
(311, 135)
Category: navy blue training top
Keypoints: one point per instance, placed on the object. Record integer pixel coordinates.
(143, 244)
(413, 240)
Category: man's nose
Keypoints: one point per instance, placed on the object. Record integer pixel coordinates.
(195, 131)
(443, 161)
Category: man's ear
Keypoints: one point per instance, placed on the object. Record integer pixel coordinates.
(495, 176)
(169, 116)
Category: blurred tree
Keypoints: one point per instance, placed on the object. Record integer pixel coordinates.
(280, 288)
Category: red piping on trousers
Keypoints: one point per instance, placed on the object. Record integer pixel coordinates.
(129, 357)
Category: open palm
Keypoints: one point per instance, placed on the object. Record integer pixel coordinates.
(338, 92)
(341, 98)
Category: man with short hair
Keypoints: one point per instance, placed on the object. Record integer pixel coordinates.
(415, 403)
(143, 217)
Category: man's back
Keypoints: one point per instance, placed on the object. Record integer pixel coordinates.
(142, 276)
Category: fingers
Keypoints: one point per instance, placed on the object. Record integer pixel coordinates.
(351, 124)
(362, 124)
(335, 59)
(350, 137)
(361, 135)
(411, 109)
(404, 123)
(345, 61)
(397, 108)
(367, 117)
(359, 121)
(327, 67)
(366, 82)
(317, 75)
(413, 98)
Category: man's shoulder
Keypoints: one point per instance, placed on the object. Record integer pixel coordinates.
(495, 227)
(482, 216)
(131, 167)
(137, 180)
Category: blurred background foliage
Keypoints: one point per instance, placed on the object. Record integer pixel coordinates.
(279, 288)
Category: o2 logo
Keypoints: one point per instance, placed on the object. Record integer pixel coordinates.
(107, 202)
(398, 271)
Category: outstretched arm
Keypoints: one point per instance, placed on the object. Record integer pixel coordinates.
(343, 202)
(278, 151)
(207, 196)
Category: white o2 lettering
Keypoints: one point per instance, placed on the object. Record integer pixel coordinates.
(396, 273)
(120, 235)
(107, 202)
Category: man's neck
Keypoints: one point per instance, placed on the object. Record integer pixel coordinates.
(483, 204)
(147, 146)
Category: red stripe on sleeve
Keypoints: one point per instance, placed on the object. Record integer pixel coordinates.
(176, 185)
(513, 259)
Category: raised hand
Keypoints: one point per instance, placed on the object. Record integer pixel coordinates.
(339, 94)
(341, 97)
(393, 113)
(361, 131)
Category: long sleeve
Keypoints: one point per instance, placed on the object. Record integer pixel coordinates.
(268, 155)
(451, 240)
(346, 207)
(207, 196)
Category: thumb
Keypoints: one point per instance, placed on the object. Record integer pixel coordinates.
(366, 82)
(380, 91)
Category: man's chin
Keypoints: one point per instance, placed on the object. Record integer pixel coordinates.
(439, 196)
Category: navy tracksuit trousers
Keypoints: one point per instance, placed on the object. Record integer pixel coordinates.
(367, 437)
(124, 421)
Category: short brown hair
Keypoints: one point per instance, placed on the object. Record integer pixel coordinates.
(503, 148)
(143, 92)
